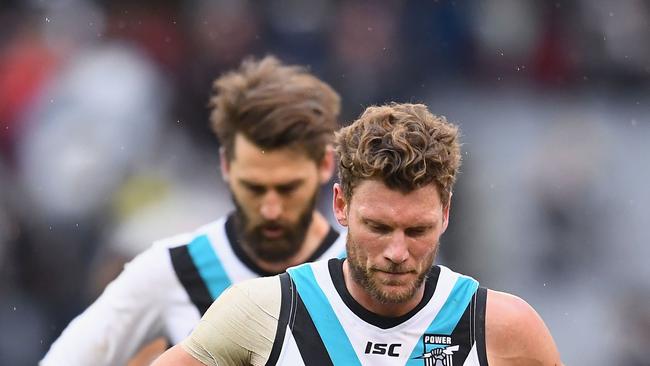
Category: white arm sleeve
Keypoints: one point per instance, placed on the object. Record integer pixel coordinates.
(121, 320)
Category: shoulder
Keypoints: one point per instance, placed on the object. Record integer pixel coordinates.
(183, 239)
(153, 268)
(515, 332)
(259, 296)
(240, 324)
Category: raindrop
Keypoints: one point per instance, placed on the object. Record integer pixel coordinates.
(47, 19)
(369, 29)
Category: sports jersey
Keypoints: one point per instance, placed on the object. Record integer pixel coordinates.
(319, 323)
(164, 291)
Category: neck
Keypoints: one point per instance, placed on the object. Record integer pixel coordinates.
(365, 299)
(315, 235)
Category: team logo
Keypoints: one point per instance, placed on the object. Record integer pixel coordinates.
(438, 350)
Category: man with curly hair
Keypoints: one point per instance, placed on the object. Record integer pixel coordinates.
(386, 303)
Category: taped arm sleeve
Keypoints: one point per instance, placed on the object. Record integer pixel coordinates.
(239, 328)
(120, 321)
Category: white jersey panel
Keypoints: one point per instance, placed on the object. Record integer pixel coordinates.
(407, 334)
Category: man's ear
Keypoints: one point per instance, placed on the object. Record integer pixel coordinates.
(225, 165)
(326, 165)
(339, 205)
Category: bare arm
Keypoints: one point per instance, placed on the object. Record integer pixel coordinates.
(176, 356)
(237, 330)
(516, 334)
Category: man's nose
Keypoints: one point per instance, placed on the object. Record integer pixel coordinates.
(271, 208)
(397, 249)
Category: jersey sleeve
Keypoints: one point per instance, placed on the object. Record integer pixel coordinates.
(126, 316)
(239, 328)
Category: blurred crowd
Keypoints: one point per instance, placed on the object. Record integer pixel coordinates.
(105, 144)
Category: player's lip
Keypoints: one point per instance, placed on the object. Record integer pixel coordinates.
(273, 232)
(395, 273)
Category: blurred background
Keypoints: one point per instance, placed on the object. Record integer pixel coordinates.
(105, 144)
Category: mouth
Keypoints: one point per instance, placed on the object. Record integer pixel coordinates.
(273, 232)
(395, 276)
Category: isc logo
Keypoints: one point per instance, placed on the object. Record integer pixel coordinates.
(383, 349)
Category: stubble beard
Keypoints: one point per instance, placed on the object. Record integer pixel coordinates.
(365, 277)
(278, 249)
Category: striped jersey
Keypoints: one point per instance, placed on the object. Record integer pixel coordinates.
(164, 292)
(321, 324)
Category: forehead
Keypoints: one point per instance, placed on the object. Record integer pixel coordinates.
(372, 199)
(269, 166)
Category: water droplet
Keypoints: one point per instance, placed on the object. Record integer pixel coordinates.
(47, 19)
(369, 29)
(14, 308)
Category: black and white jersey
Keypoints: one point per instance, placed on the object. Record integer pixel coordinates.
(321, 324)
(163, 292)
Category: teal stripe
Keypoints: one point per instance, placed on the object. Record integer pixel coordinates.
(209, 266)
(449, 315)
(327, 323)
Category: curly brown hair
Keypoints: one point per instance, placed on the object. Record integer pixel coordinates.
(274, 106)
(402, 145)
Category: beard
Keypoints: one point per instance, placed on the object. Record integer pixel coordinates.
(366, 277)
(275, 249)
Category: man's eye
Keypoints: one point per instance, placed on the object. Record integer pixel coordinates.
(290, 188)
(379, 229)
(255, 189)
(414, 232)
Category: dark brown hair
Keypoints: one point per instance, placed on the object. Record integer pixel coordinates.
(274, 106)
(402, 145)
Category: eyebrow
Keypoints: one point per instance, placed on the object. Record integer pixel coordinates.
(294, 182)
(416, 225)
